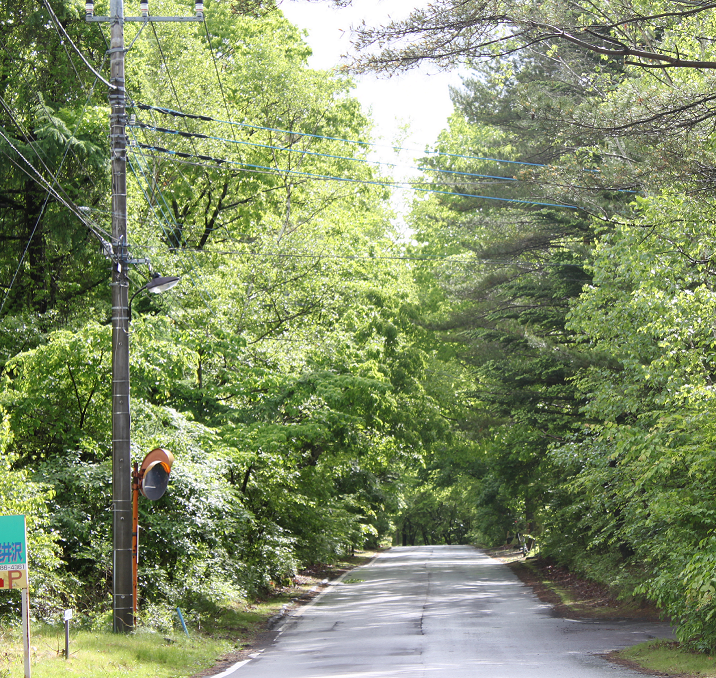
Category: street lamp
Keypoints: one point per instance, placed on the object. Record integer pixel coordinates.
(161, 283)
(122, 547)
(157, 285)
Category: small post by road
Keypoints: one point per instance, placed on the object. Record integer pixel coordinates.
(68, 616)
(26, 631)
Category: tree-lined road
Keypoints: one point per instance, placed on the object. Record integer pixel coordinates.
(442, 611)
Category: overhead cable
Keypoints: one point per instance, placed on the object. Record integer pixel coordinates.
(164, 220)
(368, 257)
(526, 266)
(48, 112)
(207, 118)
(47, 197)
(326, 177)
(289, 149)
(216, 68)
(157, 189)
(60, 27)
(37, 177)
(66, 200)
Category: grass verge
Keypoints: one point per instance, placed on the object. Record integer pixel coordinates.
(666, 658)
(571, 595)
(226, 636)
(104, 654)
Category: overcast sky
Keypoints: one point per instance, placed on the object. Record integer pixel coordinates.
(419, 97)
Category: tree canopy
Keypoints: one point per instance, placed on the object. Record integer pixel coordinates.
(583, 326)
(534, 356)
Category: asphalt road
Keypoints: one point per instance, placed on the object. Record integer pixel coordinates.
(443, 612)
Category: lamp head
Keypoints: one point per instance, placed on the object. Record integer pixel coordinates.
(161, 283)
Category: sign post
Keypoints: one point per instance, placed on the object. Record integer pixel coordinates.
(13, 572)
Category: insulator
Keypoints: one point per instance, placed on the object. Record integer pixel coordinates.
(89, 7)
(144, 7)
(199, 7)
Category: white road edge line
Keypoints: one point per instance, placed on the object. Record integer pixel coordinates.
(300, 611)
(231, 669)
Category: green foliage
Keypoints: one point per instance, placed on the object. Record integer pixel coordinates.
(509, 277)
(435, 515)
(286, 372)
(641, 488)
(100, 653)
(548, 371)
(588, 335)
(55, 120)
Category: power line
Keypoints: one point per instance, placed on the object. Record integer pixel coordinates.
(164, 214)
(207, 118)
(289, 149)
(66, 200)
(38, 178)
(47, 197)
(326, 177)
(156, 189)
(192, 188)
(60, 27)
(168, 72)
(526, 267)
(216, 68)
(370, 257)
(164, 219)
(45, 108)
(176, 96)
(31, 144)
(69, 58)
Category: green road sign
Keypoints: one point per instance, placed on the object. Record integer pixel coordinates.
(13, 553)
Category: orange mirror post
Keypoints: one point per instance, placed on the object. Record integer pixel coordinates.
(135, 534)
(151, 479)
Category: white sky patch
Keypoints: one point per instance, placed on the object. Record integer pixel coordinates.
(418, 99)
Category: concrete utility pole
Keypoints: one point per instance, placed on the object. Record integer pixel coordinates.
(122, 582)
(122, 602)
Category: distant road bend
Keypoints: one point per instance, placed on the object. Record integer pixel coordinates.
(441, 612)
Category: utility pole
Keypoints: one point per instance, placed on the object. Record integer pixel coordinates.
(122, 580)
(122, 602)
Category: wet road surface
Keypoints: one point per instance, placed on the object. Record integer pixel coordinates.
(441, 612)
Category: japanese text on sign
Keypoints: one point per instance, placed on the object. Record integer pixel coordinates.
(11, 553)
